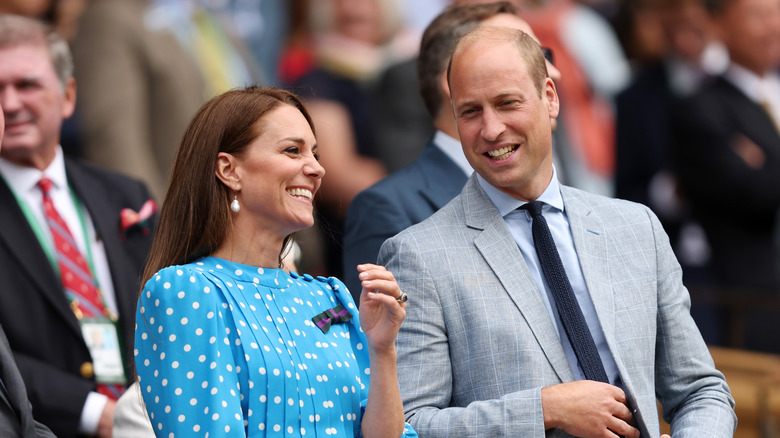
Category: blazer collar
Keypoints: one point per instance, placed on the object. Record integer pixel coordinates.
(22, 245)
(105, 217)
(443, 179)
(499, 249)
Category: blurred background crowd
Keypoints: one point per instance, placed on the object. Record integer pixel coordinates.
(639, 119)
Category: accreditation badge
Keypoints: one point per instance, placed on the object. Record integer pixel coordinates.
(102, 339)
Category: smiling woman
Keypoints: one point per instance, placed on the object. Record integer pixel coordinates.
(227, 340)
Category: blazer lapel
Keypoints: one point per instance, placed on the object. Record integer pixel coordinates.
(23, 246)
(591, 245)
(500, 250)
(105, 218)
(590, 242)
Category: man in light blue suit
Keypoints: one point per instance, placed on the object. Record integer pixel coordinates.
(415, 192)
(482, 351)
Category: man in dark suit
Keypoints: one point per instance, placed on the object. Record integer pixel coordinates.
(415, 192)
(729, 161)
(107, 218)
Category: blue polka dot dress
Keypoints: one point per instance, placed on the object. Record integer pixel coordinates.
(225, 349)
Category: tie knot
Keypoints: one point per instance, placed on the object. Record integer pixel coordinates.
(534, 207)
(45, 185)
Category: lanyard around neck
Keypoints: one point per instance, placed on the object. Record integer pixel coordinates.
(45, 243)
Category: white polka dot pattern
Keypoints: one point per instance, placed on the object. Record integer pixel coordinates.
(223, 348)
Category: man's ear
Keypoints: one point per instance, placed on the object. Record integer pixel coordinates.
(444, 85)
(68, 99)
(227, 171)
(551, 95)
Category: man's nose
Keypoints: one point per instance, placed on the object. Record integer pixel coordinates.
(492, 125)
(10, 99)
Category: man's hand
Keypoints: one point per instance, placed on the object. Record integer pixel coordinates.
(106, 423)
(588, 409)
(750, 153)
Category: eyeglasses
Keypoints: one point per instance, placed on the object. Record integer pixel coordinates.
(548, 54)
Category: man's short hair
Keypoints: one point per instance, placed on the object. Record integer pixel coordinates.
(16, 30)
(715, 7)
(439, 40)
(527, 47)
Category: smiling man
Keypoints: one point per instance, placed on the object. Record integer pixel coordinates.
(535, 308)
(72, 246)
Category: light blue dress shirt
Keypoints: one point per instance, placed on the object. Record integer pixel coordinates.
(519, 223)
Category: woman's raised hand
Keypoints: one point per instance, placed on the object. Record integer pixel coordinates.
(382, 306)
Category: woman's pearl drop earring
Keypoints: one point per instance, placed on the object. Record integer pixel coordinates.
(235, 207)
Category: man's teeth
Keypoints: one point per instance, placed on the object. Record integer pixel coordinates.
(502, 153)
(301, 193)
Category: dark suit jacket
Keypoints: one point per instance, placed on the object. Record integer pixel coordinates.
(42, 330)
(397, 202)
(644, 138)
(16, 417)
(735, 203)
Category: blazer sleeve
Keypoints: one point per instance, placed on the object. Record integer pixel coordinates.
(175, 353)
(58, 395)
(695, 397)
(425, 371)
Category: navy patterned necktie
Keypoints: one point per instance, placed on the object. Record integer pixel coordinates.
(568, 309)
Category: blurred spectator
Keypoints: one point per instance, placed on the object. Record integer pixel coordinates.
(674, 61)
(73, 241)
(402, 124)
(63, 15)
(354, 40)
(28, 8)
(594, 68)
(262, 25)
(729, 161)
(144, 68)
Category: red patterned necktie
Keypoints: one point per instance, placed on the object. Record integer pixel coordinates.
(76, 276)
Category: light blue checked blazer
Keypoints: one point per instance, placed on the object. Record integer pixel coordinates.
(478, 345)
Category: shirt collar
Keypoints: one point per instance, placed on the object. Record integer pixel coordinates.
(453, 149)
(23, 179)
(753, 86)
(506, 203)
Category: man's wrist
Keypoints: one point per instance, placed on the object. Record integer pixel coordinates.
(91, 412)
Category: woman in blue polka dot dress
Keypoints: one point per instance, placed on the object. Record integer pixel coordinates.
(229, 344)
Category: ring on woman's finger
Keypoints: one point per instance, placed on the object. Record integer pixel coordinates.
(402, 298)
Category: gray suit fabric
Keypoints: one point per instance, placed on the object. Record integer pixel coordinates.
(16, 416)
(477, 345)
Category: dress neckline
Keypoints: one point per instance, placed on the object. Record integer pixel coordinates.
(273, 277)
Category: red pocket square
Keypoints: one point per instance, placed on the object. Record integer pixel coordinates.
(129, 218)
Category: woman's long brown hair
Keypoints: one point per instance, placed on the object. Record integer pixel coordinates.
(195, 216)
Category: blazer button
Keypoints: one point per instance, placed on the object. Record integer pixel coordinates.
(87, 371)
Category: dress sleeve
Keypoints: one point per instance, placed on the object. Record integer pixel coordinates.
(360, 350)
(185, 364)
